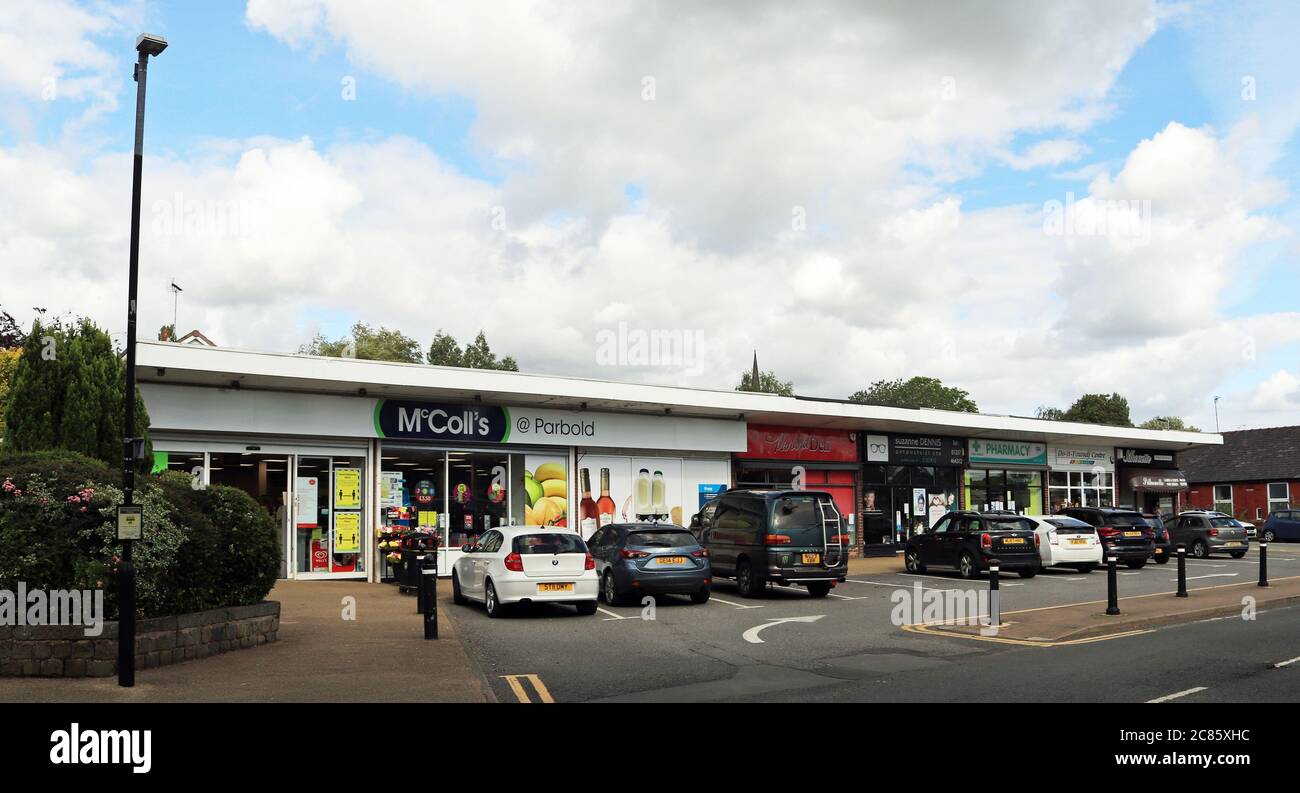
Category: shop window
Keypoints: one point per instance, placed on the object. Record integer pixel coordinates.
(1279, 496)
(1223, 499)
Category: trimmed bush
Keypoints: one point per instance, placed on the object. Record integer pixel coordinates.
(202, 549)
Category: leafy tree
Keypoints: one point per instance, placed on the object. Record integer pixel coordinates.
(10, 334)
(1110, 410)
(1168, 423)
(1049, 414)
(66, 393)
(476, 355)
(767, 383)
(444, 351)
(8, 362)
(367, 344)
(918, 392)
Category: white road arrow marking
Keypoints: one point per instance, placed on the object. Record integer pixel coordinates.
(751, 635)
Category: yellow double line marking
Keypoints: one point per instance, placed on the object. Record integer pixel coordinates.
(521, 693)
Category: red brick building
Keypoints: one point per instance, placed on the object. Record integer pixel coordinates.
(1253, 473)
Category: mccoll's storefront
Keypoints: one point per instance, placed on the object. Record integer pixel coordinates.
(336, 470)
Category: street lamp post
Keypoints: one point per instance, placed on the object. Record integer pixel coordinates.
(133, 447)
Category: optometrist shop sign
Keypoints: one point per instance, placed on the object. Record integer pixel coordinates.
(433, 421)
(1007, 452)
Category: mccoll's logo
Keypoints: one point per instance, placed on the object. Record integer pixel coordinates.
(403, 419)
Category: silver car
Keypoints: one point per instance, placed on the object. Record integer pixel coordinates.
(1204, 533)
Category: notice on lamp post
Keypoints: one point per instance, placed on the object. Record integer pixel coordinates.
(130, 522)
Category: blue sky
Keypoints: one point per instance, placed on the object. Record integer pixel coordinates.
(579, 181)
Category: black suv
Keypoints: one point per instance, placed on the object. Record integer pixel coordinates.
(969, 540)
(784, 536)
(1123, 533)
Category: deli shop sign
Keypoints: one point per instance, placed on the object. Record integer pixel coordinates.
(800, 443)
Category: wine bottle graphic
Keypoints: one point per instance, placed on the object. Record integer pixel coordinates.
(605, 506)
(589, 513)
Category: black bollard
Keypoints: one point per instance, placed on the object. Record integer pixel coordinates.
(429, 586)
(126, 624)
(1112, 589)
(995, 618)
(1263, 564)
(1182, 571)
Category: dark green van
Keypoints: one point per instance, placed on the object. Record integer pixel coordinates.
(786, 537)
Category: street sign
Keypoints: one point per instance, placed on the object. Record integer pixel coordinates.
(130, 522)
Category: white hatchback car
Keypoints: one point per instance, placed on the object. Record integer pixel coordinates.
(1067, 541)
(526, 564)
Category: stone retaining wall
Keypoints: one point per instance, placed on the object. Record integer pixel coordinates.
(65, 651)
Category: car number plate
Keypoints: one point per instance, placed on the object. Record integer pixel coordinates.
(1232, 545)
(670, 560)
(1132, 534)
(812, 558)
(1159, 551)
(568, 587)
(1013, 540)
(1078, 542)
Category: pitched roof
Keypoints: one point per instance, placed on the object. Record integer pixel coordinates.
(1271, 454)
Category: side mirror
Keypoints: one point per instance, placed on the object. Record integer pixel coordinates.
(467, 548)
(695, 521)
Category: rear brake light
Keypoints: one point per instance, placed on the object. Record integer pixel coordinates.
(702, 553)
(840, 539)
(1107, 531)
(515, 562)
(1151, 534)
(590, 563)
(1038, 541)
(777, 539)
(1214, 532)
(626, 554)
(986, 540)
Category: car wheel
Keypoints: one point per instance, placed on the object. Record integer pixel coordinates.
(490, 601)
(745, 581)
(1086, 568)
(609, 588)
(456, 596)
(819, 590)
(1030, 573)
(966, 566)
(1136, 564)
(1162, 558)
(912, 560)
(1269, 536)
(700, 595)
(586, 607)
(1238, 554)
(1200, 550)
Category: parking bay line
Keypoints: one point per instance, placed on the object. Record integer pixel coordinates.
(1288, 662)
(716, 599)
(1175, 695)
(612, 615)
(1211, 575)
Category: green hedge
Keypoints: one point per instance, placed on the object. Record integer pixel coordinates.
(202, 549)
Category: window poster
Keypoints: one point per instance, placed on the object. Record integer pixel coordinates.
(307, 487)
(347, 488)
(391, 484)
(546, 490)
(631, 490)
(347, 532)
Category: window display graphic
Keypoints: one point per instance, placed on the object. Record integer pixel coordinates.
(546, 490)
(347, 532)
(424, 493)
(347, 488)
(635, 489)
(307, 497)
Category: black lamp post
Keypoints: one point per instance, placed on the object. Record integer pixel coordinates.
(133, 447)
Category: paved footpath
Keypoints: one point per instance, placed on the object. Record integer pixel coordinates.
(381, 656)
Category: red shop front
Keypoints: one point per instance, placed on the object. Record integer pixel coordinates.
(785, 458)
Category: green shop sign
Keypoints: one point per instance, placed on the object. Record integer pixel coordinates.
(1011, 452)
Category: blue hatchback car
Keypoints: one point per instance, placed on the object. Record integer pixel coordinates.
(1282, 524)
(650, 558)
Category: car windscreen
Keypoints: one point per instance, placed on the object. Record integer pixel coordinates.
(800, 519)
(1006, 524)
(1224, 523)
(661, 538)
(549, 544)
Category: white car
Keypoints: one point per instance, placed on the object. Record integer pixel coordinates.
(1067, 541)
(526, 564)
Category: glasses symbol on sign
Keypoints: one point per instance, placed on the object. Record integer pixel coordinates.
(875, 447)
